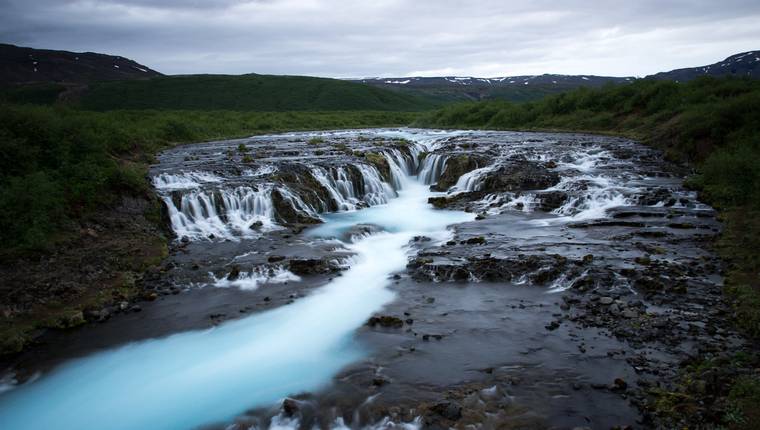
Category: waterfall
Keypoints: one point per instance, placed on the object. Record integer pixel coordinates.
(431, 169)
(201, 215)
(297, 203)
(376, 191)
(401, 167)
(471, 181)
(336, 183)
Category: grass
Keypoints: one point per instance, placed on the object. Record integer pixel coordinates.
(246, 93)
(58, 164)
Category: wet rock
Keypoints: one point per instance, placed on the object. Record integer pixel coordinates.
(479, 240)
(362, 230)
(290, 407)
(234, 273)
(310, 266)
(620, 384)
(288, 214)
(454, 201)
(456, 167)
(552, 200)
(644, 261)
(655, 196)
(386, 321)
(605, 300)
(449, 410)
(519, 176)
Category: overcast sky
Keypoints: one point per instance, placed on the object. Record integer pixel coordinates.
(357, 38)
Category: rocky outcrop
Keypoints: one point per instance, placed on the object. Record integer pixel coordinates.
(456, 167)
(519, 176)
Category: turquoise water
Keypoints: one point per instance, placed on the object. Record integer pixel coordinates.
(202, 377)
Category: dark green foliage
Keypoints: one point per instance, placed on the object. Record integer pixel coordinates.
(40, 94)
(58, 164)
(31, 207)
(246, 93)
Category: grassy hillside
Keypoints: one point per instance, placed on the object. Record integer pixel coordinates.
(712, 123)
(246, 93)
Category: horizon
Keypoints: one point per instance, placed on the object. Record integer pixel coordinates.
(392, 38)
(356, 78)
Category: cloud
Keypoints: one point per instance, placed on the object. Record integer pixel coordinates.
(343, 38)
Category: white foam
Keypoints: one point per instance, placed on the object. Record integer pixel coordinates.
(182, 181)
(257, 277)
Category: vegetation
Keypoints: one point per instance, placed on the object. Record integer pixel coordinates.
(246, 93)
(41, 93)
(447, 94)
(57, 164)
(714, 124)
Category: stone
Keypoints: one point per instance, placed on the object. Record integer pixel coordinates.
(448, 409)
(605, 300)
(620, 384)
(386, 321)
(630, 313)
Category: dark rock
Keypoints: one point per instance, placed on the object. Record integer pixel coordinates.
(290, 407)
(456, 167)
(620, 384)
(480, 240)
(551, 200)
(310, 266)
(448, 409)
(234, 273)
(386, 321)
(519, 176)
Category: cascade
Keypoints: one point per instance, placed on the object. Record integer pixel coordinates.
(432, 167)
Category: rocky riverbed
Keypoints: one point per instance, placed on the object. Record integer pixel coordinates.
(438, 280)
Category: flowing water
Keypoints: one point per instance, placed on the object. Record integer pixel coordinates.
(203, 377)
(353, 215)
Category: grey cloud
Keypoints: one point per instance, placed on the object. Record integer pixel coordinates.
(344, 38)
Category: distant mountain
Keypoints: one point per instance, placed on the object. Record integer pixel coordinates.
(744, 64)
(28, 65)
(514, 88)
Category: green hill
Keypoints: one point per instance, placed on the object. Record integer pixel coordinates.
(246, 93)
